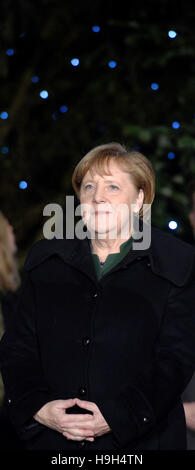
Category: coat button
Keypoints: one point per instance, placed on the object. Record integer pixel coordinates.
(139, 257)
(148, 264)
(9, 400)
(146, 419)
(94, 294)
(82, 390)
(86, 341)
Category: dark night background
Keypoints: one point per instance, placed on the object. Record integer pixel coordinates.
(41, 145)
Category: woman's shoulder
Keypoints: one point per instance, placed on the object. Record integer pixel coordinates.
(166, 239)
(43, 249)
(174, 257)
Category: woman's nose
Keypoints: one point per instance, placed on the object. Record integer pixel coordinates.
(99, 195)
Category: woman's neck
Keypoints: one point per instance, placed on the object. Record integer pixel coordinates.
(105, 247)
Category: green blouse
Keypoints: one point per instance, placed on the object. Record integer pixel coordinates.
(111, 260)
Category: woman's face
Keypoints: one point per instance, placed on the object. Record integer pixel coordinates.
(109, 200)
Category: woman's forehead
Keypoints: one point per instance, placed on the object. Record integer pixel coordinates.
(107, 173)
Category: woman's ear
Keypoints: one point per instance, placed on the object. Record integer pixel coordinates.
(139, 201)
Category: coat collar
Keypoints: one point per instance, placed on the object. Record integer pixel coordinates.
(169, 257)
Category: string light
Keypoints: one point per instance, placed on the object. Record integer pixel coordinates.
(175, 125)
(172, 224)
(23, 184)
(63, 108)
(44, 94)
(172, 34)
(35, 79)
(171, 155)
(10, 52)
(154, 86)
(112, 64)
(4, 115)
(96, 29)
(75, 62)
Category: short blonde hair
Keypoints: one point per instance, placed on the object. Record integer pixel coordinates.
(135, 163)
(9, 274)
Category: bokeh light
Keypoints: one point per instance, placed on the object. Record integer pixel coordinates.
(96, 29)
(35, 79)
(4, 115)
(172, 34)
(75, 62)
(171, 155)
(154, 86)
(63, 108)
(175, 125)
(112, 64)
(44, 94)
(23, 184)
(10, 52)
(172, 224)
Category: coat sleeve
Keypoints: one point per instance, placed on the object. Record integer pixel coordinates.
(26, 391)
(148, 398)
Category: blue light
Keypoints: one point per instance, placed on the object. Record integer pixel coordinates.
(175, 125)
(171, 155)
(112, 64)
(4, 150)
(22, 35)
(75, 62)
(96, 29)
(172, 224)
(55, 116)
(4, 115)
(35, 79)
(44, 94)
(23, 185)
(10, 52)
(172, 34)
(63, 108)
(154, 86)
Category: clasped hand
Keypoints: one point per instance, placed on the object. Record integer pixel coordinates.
(73, 426)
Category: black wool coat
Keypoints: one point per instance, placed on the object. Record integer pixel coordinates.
(125, 342)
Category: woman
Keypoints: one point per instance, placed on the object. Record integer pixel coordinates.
(9, 288)
(104, 341)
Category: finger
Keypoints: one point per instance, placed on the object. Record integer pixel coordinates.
(73, 438)
(86, 426)
(80, 418)
(86, 404)
(66, 403)
(70, 437)
(79, 432)
(80, 422)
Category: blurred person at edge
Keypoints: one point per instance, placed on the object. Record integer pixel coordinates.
(188, 395)
(9, 289)
(104, 329)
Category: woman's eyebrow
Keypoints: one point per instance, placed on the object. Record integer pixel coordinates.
(106, 181)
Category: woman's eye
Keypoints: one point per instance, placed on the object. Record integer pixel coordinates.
(113, 186)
